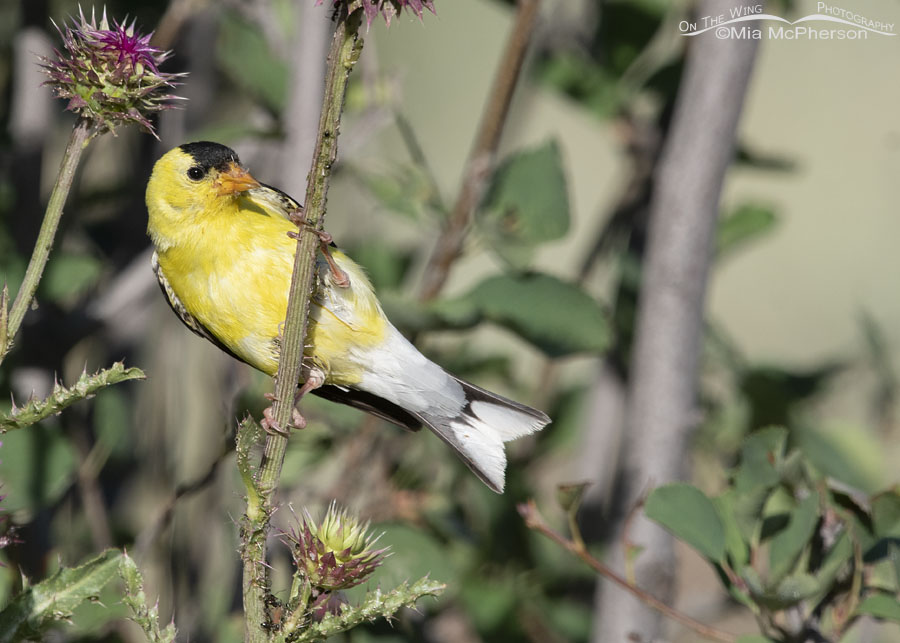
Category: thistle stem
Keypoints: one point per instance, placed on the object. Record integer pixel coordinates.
(345, 49)
(81, 135)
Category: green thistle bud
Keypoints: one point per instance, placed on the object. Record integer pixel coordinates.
(110, 74)
(337, 553)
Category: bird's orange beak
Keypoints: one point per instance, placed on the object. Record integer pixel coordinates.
(235, 180)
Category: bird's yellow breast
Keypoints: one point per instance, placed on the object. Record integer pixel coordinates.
(232, 272)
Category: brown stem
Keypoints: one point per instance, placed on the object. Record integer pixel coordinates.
(481, 159)
(534, 520)
(343, 54)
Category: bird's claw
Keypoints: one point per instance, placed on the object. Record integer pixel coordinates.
(338, 276)
(271, 426)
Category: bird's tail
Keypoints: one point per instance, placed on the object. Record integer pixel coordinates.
(478, 431)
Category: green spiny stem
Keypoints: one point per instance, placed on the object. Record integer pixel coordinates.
(81, 135)
(345, 49)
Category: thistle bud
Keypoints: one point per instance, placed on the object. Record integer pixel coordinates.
(387, 8)
(336, 553)
(110, 73)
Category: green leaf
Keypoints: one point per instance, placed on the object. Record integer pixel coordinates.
(747, 223)
(404, 189)
(556, 316)
(882, 606)
(839, 554)
(61, 397)
(849, 453)
(791, 591)
(761, 452)
(527, 202)
(787, 544)
(54, 599)
(886, 514)
(690, 515)
(570, 496)
(735, 542)
(755, 477)
(69, 276)
(584, 81)
(754, 638)
(246, 58)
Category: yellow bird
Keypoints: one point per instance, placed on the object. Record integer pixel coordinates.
(224, 259)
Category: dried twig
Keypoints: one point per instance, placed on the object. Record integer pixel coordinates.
(534, 520)
(481, 159)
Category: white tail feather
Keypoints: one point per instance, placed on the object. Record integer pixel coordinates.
(478, 432)
(473, 421)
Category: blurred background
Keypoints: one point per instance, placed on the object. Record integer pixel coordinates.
(802, 313)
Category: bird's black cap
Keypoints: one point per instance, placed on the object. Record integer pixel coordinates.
(211, 155)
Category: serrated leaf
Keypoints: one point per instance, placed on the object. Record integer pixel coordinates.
(747, 223)
(85, 387)
(249, 434)
(690, 515)
(557, 317)
(54, 599)
(145, 616)
(375, 604)
(882, 606)
(787, 544)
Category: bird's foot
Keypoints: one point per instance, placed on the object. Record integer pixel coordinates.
(338, 276)
(271, 426)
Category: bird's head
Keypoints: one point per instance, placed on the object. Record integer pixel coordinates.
(193, 181)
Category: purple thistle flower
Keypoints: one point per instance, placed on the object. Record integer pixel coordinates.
(137, 50)
(109, 73)
(387, 8)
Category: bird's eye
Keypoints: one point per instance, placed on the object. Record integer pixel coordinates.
(196, 173)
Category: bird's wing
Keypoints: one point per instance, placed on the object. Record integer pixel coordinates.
(179, 308)
(377, 406)
(273, 200)
(357, 399)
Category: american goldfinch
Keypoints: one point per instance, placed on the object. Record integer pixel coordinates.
(224, 259)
